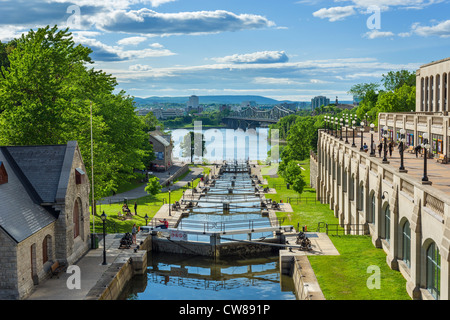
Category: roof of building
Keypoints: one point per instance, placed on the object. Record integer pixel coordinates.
(36, 177)
(161, 140)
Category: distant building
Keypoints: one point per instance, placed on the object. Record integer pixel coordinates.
(163, 114)
(193, 105)
(44, 214)
(162, 147)
(319, 101)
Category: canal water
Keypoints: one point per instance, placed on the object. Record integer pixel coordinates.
(175, 277)
(226, 144)
(231, 203)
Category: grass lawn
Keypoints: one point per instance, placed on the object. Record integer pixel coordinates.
(146, 205)
(342, 277)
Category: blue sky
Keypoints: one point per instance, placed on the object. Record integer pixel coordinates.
(292, 50)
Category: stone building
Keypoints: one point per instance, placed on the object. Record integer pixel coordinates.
(406, 215)
(44, 214)
(162, 147)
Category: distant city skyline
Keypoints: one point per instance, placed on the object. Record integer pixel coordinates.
(284, 50)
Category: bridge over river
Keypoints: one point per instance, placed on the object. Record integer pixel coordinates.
(253, 117)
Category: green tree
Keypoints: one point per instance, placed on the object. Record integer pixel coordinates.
(153, 186)
(396, 79)
(292, 174)
(402, 99)
(46, 95)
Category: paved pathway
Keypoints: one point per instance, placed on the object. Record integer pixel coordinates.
(140, 192)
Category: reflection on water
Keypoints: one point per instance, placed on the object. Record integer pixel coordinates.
(177, 277)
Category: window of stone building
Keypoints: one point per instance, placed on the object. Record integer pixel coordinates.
(361, 197)
(372, 211)
(351, 194)
(76, 220)
(387, 223)
(433, 270)
(344, 181)
(3, 174)
(406, 244)
(44, 250)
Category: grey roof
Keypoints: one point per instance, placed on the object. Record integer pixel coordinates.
(20, 215)
(42, 166)
(161, 140)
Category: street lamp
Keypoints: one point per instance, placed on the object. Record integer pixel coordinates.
(346, 129)
(342, 123)
(402, 149)
(362, 136)
(103, 216)
(372, 148)
(353, 129)
(425, 146)
(385, 136)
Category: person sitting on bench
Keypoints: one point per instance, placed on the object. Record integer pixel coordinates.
(164, 225)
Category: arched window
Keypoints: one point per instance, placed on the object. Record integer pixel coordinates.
(344, 181)
(433, 270)
(406, 244)
(351, 194)
(76, 219)
(361, 197)
(372, 210)
(387, 223)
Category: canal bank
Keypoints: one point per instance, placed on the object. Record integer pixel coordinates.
(106, 282)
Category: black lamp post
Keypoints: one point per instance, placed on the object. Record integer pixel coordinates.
(353, 129)
(425, 146)
(401, 150)
(385, 136)
(342, 123)
(346, 129)
(362, 136)
(372, 148)
(103, 216)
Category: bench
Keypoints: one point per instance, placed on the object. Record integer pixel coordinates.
(56, 268)
(442, 158)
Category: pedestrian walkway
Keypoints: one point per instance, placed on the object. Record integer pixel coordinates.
(91, 269)
(438, 173)
(140, 192)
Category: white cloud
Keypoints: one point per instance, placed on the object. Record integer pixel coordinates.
(104, 52)
(146, 21)
(374, 34)
(441, 29)
(255, 57)
(131, 41)
(335, 13)
(139, 67)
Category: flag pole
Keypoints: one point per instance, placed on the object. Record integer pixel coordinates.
(92, 174)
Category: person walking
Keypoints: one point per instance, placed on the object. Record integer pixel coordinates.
(135, 208)
(417, 149)
(391, 148)
(380, 149)
(133, 233)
